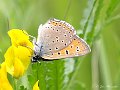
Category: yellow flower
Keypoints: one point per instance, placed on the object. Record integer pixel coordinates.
(36, 87)
(20, 38)
(17, 57)
(17, 60)
(4, 83)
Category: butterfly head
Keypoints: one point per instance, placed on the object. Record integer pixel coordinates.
(35, 58)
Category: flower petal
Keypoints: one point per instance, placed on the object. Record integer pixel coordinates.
(17, 60)
(18, 68)
(36, 87)
(17, 35)
(9, 59)
(24, 55)
(4, 83)
(20, 38)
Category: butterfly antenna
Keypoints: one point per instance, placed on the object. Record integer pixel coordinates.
(67, 9)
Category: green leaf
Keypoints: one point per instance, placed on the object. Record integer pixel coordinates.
(51, 75)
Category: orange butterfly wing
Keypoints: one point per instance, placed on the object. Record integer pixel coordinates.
(78, 47)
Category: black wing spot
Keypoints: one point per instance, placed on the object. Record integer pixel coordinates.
(71, 46)
(53, 41)
(57, 40)
(66, 51)
(65, 44)
(65, 35)
(58, 53)
(62, 41)
(57, 29)
(50, 49)
(56, 37)
(77, 50)
(56, 47)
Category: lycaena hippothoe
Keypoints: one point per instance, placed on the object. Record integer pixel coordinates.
(57, 39)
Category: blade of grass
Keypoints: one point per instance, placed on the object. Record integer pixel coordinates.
(91, 34)
(86, 23)
(104, 67)
(95, 66)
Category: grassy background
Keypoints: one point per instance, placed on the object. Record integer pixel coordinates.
(97, 21)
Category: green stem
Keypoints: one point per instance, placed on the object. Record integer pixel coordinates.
(105, 71)
(15, 83)
(74, 75)
(86, 24)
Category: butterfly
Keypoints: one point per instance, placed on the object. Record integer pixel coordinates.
(57, 39)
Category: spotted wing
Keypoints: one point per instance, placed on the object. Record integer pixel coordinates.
(78, 47)
(54, 36)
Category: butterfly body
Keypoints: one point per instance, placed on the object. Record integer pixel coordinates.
(57, 39)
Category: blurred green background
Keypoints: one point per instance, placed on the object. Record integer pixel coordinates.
(97, 21)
